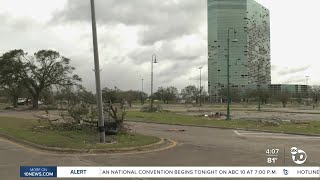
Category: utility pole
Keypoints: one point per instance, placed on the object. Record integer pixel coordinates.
(97, 74)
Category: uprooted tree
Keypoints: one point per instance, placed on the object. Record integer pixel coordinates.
(115, 102)
(116, 116)
(41, 71)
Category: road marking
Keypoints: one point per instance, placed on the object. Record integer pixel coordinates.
(237, 133)
(256, 133)
(276, 136)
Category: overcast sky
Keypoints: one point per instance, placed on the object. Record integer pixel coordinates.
(130, 31)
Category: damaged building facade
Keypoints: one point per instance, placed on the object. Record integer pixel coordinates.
(249, 62)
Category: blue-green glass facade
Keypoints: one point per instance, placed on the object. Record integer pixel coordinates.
(293, 89)
(250, 56)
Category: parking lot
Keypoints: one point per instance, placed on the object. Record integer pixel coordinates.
(196, 146)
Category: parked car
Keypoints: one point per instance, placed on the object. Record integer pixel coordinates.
(22, 101)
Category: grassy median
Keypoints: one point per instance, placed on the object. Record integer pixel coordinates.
(309, 127)
(32, 131)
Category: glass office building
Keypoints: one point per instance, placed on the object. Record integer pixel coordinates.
(249, 57)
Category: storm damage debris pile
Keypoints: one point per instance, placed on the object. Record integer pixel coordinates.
(270, 122)
(217, 115)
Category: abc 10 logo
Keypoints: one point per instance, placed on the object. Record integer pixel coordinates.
(298, 155)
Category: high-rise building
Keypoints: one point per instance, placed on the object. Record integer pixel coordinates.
(249, 57)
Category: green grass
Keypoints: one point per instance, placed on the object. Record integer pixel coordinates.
(311, 127)
(30, 130)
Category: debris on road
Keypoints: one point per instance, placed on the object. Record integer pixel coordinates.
(217, 115)
(180, 130)
(269, 122)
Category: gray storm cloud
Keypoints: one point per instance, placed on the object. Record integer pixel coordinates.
(165, 22)
(286, 71)
(161, 20)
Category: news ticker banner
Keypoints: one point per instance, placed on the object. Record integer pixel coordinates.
(170, 172)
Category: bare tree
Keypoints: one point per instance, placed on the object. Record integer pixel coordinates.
(234, 94)
(283, 97)
(315, 93)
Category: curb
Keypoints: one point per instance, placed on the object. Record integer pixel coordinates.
(80, 151)
(243, 129)
(291, 112)
(254, 110)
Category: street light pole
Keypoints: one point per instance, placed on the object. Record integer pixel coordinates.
(200, 86)
(228, 70)
(152, 61)
(142, 86)
(204, 92)
(97, 75)
(142, 100)
(209, 92)
(259, 90)
(307, 93)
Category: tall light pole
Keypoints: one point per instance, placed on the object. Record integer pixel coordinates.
(209, 92)
(200, 86)
(142, 85)
(142, 99)
(307, 79)
(97, 74)
(153, 60)
(307, 93)
(204, 92)
(228, 69)
(259, 90)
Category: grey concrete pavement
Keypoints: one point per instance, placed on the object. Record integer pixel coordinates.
(195, 147)
(251, 148)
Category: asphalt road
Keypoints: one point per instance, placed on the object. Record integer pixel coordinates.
(195, 147)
